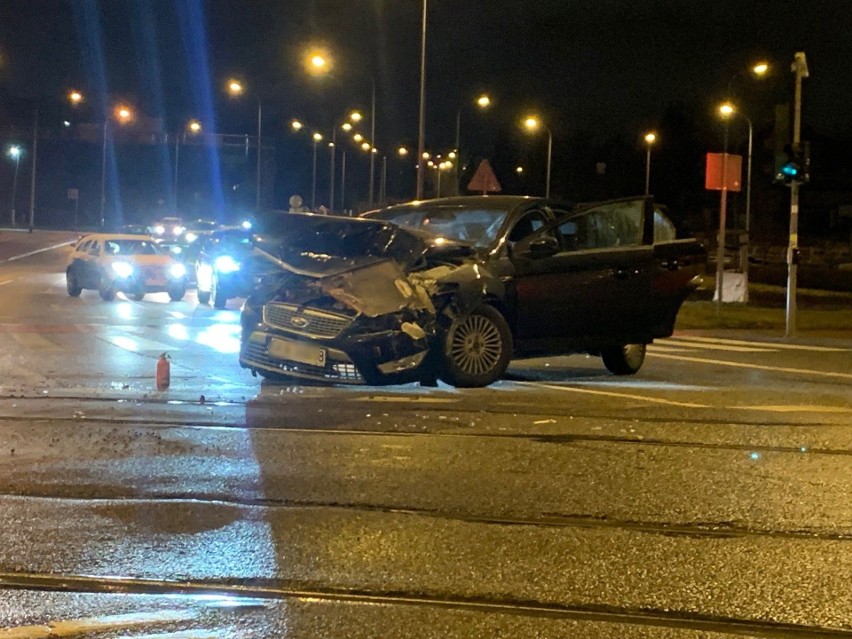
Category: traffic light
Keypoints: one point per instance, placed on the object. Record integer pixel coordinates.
(796, 168)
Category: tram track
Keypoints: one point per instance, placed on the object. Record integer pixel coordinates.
(278, 591)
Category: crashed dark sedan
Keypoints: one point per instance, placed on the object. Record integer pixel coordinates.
(453, 288)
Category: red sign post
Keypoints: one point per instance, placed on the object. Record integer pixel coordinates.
(724, 173)
(484, 179)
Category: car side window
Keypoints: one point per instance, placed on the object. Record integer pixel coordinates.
(527, 225)
(664, 229)
(612, 225)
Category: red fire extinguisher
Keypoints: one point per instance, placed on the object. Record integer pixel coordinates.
(164, 376)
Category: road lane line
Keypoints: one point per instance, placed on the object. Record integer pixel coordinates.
(139, 344)
(718, 347)
(76, 627)
(6, 282)
(36, 252)
(641, 398)
(739, 342)
(797, 409)
(762, 367)
(36, 342)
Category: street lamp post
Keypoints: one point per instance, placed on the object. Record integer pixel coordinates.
(650, 138)
(194, 127)
(33, 174)
(317, 138)
(726, 110)
(236, 89)
(15, 153)
(421, 130)
(532, 124)
(483, 102)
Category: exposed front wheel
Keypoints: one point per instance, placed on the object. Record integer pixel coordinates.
(107, 292)
(624, 360)
(138, 296)
(477, 349)
(72, 285)
(217, 295)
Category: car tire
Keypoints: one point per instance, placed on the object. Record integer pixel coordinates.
(138, 296)
(217, 296)
(176, 293)
(624, 360)
(107, 292)
(204, 297)
(477, 349)
(71, 284)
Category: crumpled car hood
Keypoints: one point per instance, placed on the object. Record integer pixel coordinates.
(321, 246)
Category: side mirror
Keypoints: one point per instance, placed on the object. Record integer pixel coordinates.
(543, 247)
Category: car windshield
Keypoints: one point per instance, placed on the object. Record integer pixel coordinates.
(130, 247)
(476, 225)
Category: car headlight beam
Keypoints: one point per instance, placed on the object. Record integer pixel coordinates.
(226, 264)
(177, 271)
(122, 269)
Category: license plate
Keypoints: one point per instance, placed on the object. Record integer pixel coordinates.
(296, 352)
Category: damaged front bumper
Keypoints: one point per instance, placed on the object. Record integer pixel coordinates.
(370, 325)
(358, 354)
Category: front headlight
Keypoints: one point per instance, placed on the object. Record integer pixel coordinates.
(177, 271)
(178, 230)
(226, 264)
(246, 225)
(122, 269)
(159, 229)
(191, 237)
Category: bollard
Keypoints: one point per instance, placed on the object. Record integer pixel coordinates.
(163, 372)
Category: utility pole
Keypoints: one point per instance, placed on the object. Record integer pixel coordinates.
(421, 134)
(33, 176)
(800, 68)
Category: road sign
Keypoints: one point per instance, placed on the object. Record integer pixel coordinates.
(733, 168)
(73, 194)
(484, 179)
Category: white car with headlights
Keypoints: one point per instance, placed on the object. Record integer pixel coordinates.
(129, 264)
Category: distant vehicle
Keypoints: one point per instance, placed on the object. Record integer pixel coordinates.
(454, 288)
(226, 266)
(198, 228)
(166, 228)
(131, 264)
(134, 229)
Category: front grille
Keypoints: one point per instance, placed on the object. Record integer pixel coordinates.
(255, 354)
(305, 321)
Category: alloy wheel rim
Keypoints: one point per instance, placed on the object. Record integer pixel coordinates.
(476, 345)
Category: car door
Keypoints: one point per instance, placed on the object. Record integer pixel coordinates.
(592, 282)
(85, 264)
(678, 263)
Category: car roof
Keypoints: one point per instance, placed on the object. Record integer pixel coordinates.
(116, 236)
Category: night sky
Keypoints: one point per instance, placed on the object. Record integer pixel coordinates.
(607, 65)
(595, 70)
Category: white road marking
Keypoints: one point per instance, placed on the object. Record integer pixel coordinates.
(6, 282)
(739, 342)
(139, 344)
(76, 627)
(35, 342)
(797, 409)
(37, 251)
(716, 347)
(641, 398)
(417, 399)
(776, 369)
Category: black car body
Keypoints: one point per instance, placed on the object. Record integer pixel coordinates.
(226, 266)
(453, 288)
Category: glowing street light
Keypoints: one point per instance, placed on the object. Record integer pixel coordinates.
(194, 126)
(355, 116)
(532, 124)
(519, 170)
(402, 152)
(296, 125)
(75, 97)
(346, 126)
(358, 137)
(760, 69)
(235, 87)
(317, 61)
(650, 138)
(365, 146)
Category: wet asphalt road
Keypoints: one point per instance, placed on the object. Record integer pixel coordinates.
(710, 495)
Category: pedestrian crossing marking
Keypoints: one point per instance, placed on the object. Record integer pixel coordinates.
(681, 347)
(36, 342)
(774, 345)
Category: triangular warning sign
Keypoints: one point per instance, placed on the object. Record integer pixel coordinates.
(484, 179)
